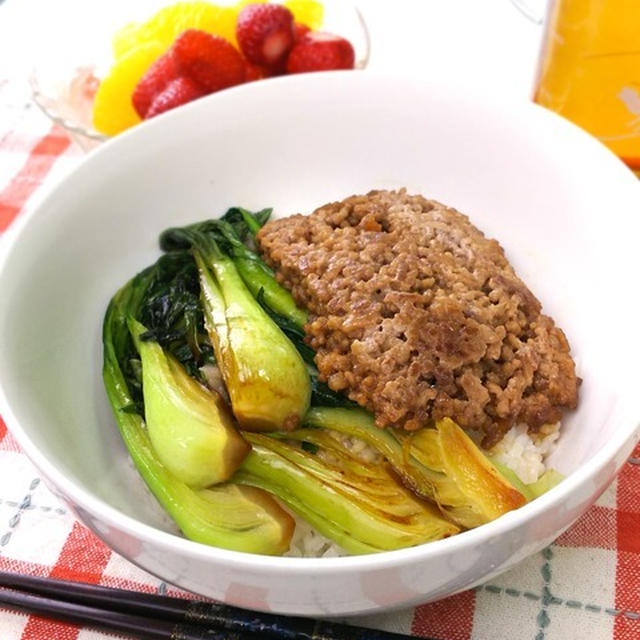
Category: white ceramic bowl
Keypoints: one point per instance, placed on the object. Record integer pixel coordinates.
(565, 209)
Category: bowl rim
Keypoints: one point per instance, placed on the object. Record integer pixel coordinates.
(625, 434)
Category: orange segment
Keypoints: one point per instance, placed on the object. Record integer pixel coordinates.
(113, 111)
(308, 12)
(125, 39)
(167, 23)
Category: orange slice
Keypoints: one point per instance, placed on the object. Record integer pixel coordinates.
(308, 12)
(113, 111)
(167, 23)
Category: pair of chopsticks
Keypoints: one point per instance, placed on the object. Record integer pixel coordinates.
(150, 616)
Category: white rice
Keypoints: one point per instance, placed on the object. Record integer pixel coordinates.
(308, 543)
(525, 453)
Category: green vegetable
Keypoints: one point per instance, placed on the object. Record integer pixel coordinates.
(267, 380)
(189, 426)
(172, 313)
(245, 223)
(289, 327)
(230, 233)
(358, 504)
(321, 394)
(442, 464)
(549, 479)
(476, 487)
(259, 277)
(229, 516)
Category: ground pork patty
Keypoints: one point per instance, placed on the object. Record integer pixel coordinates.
(416, 315)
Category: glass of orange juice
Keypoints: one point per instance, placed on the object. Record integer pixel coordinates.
(589, 70)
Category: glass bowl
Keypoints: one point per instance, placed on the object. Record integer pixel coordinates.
(63, 83)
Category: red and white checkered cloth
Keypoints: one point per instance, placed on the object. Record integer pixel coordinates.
(585, 585)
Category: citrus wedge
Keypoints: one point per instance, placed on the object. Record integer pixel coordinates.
(168, 22)
(113, 110)
(308, 12)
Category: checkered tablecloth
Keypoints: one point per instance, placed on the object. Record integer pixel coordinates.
(585, 585)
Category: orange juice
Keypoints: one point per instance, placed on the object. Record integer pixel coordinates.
(590, 70)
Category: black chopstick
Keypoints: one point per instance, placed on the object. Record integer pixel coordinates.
(142, 627)
(149, 614)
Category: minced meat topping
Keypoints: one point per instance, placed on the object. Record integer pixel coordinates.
(416, 315)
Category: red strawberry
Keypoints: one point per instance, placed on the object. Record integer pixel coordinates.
(265, 33)
(177, 92)
(210, 60)
(299, 30)
(318, 51)
(155, 79)
(253, 71)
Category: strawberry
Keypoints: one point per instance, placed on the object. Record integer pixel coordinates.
(299, 30)
(319, 51)
(155, 79)
(178, 92)
(265, 33)
(253, 71)
(208, 59)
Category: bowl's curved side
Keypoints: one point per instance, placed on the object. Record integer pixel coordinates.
(492, 159)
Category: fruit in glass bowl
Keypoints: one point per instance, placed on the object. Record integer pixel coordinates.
(188, 49)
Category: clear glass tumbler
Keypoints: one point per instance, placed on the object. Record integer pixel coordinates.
(589, 69)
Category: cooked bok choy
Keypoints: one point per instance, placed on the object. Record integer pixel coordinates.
(357, 503)
(265, 376)
(190, 427)
(225, 515)
(442, 464)
(232, 232)
(475, 488)
(236, 227)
